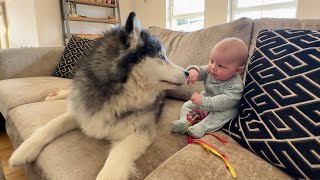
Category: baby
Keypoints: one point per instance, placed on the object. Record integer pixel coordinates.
(223, 88)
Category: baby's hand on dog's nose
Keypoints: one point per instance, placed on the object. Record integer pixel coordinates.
(190, 80)
(193, 76)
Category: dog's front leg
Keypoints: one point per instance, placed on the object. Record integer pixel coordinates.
(30, 149)
(120, 162)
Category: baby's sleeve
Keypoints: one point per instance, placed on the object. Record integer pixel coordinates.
(225, 101)
(201, 69)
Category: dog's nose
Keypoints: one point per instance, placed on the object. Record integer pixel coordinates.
(186, 73)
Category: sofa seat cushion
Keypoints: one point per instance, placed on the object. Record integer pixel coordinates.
(15, 92)
(76, 156)
(194, 162)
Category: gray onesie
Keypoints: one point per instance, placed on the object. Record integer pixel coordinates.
(220, 98)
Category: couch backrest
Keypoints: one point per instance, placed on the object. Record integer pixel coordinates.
(186, 48)
(29, 62)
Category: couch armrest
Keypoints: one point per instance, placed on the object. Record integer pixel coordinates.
(194, 162)
(29, 62)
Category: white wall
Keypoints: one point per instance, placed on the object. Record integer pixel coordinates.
(216, 12)
(151, 12)
(34, 23)
(38, 22)
(308, 9)
(126, 6)
(22, 23)
(47, 13)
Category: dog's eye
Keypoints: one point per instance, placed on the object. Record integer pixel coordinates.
(162, 57)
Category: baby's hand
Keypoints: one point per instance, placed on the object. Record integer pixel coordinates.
(193, 76)
(196, 99)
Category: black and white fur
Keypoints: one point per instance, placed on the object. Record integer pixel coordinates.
(117, 94)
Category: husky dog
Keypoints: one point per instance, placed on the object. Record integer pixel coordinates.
(117, 94)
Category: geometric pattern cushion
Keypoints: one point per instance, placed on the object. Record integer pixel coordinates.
(279, 117)
(75, 49)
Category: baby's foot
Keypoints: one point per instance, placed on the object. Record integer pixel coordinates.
(178, 127)
(197, 131)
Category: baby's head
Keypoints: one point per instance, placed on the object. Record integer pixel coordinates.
(227, 58)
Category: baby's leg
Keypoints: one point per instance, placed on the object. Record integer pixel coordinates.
(180, 125)
(213, 122)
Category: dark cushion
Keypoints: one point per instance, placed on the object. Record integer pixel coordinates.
(74, 50)
(279, 116)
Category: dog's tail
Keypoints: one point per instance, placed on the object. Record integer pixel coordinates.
(29, 150)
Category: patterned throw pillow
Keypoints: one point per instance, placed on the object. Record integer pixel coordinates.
(279, 116)
(75, 49)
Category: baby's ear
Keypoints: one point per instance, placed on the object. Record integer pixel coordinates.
(239, 69)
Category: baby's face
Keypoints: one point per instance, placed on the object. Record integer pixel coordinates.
(222, 66)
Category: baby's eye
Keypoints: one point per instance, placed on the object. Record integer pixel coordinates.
(220, 66)
(162, 57)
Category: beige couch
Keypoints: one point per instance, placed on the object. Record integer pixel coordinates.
(26, 80)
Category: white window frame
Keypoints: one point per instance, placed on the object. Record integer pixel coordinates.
(233, 9)
(172, 17)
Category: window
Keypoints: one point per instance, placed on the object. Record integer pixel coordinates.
(186, 15)
(262, 8)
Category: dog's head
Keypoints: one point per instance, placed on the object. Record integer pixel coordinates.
(130, 53)
(149, 58)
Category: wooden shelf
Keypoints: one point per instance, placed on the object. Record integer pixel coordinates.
(90, 19)
(88, 36)
(93, 3)
(68, 10)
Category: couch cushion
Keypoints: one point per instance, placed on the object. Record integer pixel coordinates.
(76, 48)
(186, 48)
(15, 92)
(75, 156)
(278, 23)
(29, 62)
(279, 115)
(194, 162)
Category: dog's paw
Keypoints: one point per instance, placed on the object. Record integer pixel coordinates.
(27, 152)
(56, 95)
(113, 173)
(52, 95)
(111, 176)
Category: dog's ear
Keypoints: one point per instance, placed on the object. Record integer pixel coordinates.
(133, 27)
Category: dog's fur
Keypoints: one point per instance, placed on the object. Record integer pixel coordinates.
(117, 94)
